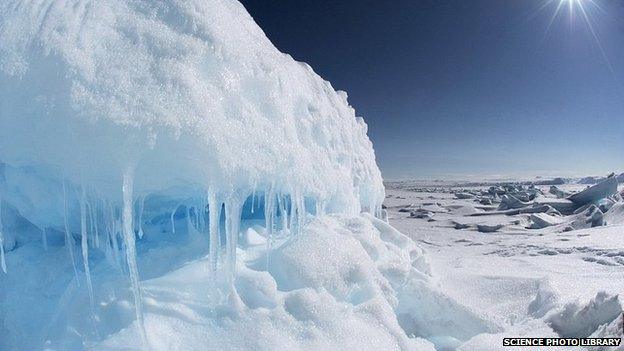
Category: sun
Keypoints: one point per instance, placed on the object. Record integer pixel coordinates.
(586, 11)
(572, 6)
(581, 9)
(572, 2)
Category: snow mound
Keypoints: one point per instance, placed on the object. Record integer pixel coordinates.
(340, 284)
(183, 93)
(580, 321)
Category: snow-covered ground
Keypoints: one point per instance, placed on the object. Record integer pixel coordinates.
(529, 282)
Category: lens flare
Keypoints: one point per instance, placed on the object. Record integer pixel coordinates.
(585, 10)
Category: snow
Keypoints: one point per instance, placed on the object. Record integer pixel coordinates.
(615, 215)
(527, 281)
(224, 196)
(341, 283)
(106, 105)
(582, 321)
(334, 286)
(149, 84)
(149, 135)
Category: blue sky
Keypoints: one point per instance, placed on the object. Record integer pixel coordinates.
(469, 88)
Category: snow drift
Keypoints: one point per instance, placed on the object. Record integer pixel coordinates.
(334, 286)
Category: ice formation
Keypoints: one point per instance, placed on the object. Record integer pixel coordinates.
(186, 99)
(186, 93)
(138, 137)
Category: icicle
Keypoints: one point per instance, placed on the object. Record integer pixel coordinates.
(371, 207)
(213, 223)
(301, 212)
(95, 222)
(69, 241)
(201, 216)
(85, 250)
(191, 217)
(108, 229)
(108, 244)
(222, 245)
(320, 207)
(269, 209)
(293, 211)
(2, 258)
(113, 236)
(173, 219)
(282, 209)
(198, 217)
(233, 209)
(190, 228)
(140, 224)
(44, 239)
(85, 246)
(253, 199)
(129, 241)
(90, 229)
(95, 241)
(297, 211)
